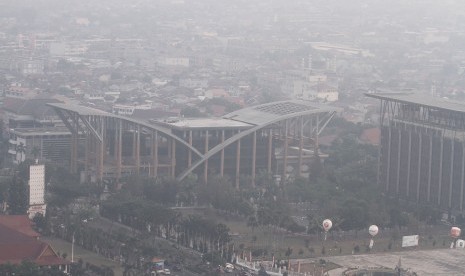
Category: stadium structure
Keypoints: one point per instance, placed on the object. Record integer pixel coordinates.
(422, 149)
(279, 138)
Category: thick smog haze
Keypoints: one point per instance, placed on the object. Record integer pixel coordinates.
(232, 137)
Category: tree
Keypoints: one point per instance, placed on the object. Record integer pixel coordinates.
(18, 196)
(354, 214)
(21, 149)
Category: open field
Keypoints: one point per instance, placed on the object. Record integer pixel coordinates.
(62, 246)
(271, 241)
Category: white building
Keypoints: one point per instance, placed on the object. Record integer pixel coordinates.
(36, 190)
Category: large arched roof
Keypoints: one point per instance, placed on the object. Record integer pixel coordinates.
(257, 117)
(265, 113)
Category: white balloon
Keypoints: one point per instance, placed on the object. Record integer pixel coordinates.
(373, 230)
(327, 224)
(455, 232)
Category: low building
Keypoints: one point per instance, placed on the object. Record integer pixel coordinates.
(19, 243)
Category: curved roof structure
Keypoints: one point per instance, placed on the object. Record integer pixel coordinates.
(262, 116)
(247, 121)
(88, 111)
(265, 113)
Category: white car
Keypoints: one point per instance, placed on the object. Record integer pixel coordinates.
(166, 271)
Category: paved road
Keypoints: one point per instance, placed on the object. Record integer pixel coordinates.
(427, 262)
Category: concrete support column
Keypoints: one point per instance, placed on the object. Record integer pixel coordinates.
(222, 155)
(101, 154)
(399, 148)
(451, 173)
(420, 151)
(430, 167)
(388, 169)
(238, 163)
(409, 160)
(205, 168)
(270, 150)
(155, 153)
(119, 155)
(86, 153)
(173, 158)
(74, 144)
(301, 145)
(138, 149)
(254, 156)
(134, 146)
(441, 156)
(189, 152)
(285, 152)
(462, 180)
(316, 137)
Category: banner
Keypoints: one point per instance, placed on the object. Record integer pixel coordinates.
(408, 241)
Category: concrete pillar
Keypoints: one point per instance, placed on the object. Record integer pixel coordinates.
(222, 155)
(441, 156)
(138, 149)
(238, 163)
(205, 168)
(101, 154)
(451, 173)
(399, 148)
(173, 158)
(254, 156)
(462, 175)
(286, 145)
(155, 153)
(430, 167)
(301, 144)
(420, 151)
(120, 149)
(189, 152)
(388, 167)
(270, 150)
(409, 161)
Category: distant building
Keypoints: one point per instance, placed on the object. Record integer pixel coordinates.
(36, 190)
(422, 149)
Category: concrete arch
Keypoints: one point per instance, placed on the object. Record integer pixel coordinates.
(238, 136)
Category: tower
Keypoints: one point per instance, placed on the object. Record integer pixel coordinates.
(36, 190)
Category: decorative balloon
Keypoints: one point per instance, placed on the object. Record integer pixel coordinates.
(373, 230)
(455, 232)
(327, 224)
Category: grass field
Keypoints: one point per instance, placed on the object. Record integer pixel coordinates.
(62, 246)
(272, 241)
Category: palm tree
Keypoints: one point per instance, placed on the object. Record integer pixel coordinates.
(21, 149)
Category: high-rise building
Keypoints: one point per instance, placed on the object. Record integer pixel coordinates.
(36, 190)
(422, 149)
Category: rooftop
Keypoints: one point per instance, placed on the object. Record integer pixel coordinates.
(41, 131)
(265, 113)
(421, 99)
(80, 109)
(189, 123)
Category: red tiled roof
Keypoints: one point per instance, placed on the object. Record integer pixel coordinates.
(371, 136)
(16, 247)
(20, 223)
